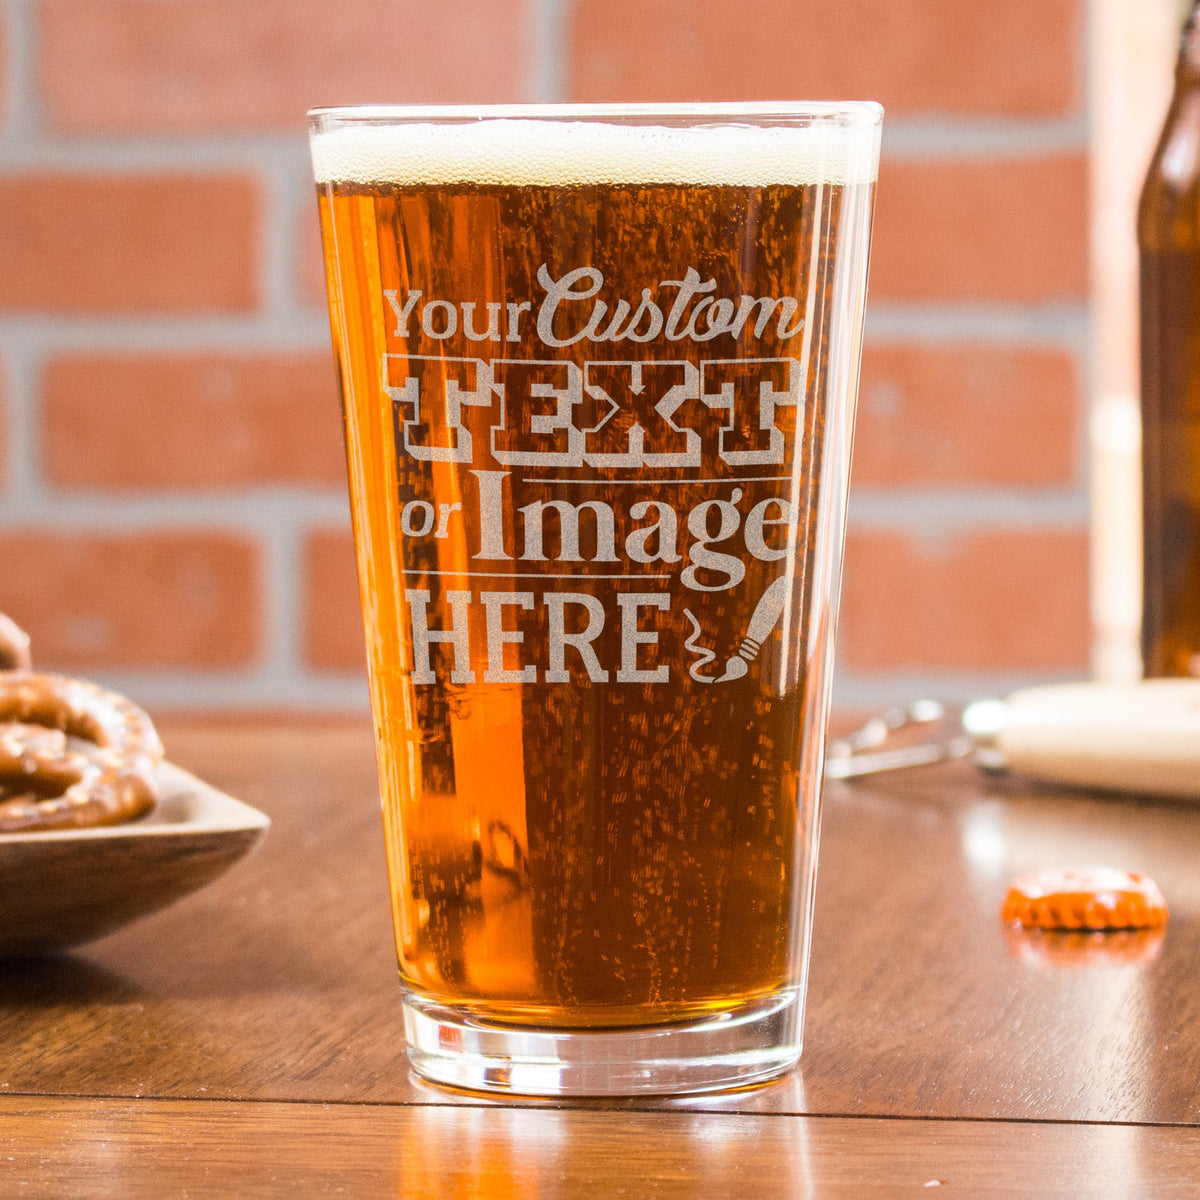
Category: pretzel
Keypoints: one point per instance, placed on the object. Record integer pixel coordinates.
(14, 646)
(72, 754)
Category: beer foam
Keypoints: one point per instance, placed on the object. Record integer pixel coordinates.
(565, 153)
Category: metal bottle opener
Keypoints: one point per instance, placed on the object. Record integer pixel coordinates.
(1139, 737)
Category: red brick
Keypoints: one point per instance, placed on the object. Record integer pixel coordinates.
(333, 630)
(105, 243)
(990, 600)
(195, 421)
(1004, 230)
(141, 65)
(122, 601)
(931, 415)
(1019, 58)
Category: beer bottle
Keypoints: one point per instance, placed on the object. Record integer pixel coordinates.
(1169, 246)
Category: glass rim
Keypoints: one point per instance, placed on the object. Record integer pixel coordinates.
(845, 113)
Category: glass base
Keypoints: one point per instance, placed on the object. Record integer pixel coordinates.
(731, 1049)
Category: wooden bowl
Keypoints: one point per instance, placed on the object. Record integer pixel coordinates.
(58, 889)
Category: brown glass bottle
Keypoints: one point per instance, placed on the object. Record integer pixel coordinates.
(1169, 244)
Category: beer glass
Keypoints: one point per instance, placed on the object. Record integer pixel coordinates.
(598, 369)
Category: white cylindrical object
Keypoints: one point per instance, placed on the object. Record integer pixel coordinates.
(1140, 737)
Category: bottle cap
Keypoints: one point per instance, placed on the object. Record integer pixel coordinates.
(1084, 898)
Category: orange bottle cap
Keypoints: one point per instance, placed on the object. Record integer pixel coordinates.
(1084, 898)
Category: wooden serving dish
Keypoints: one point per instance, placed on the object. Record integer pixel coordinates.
(58, 889)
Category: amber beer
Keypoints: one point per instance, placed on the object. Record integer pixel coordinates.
(598, 376)
(1169, 244)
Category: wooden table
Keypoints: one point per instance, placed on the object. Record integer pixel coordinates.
(247, 1041)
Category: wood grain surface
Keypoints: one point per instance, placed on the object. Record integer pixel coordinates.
(277, 982)
(55, 1148)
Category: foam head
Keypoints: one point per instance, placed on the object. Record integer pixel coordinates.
(564, 153)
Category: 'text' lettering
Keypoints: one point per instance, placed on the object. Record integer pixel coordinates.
(605, 414)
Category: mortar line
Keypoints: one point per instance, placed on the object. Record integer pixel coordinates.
(182, 690)
(24, 443)
(877, 691)
(134, 153)
(22, 116)
(948, 511)
(281, 181)
(243, 511)
(548, 25)
(1054, 324)
(281, 538)
(912, 139)
(297, 330)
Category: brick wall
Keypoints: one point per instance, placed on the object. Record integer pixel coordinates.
(172, 516)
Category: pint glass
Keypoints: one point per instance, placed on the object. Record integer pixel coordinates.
(598, 369)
